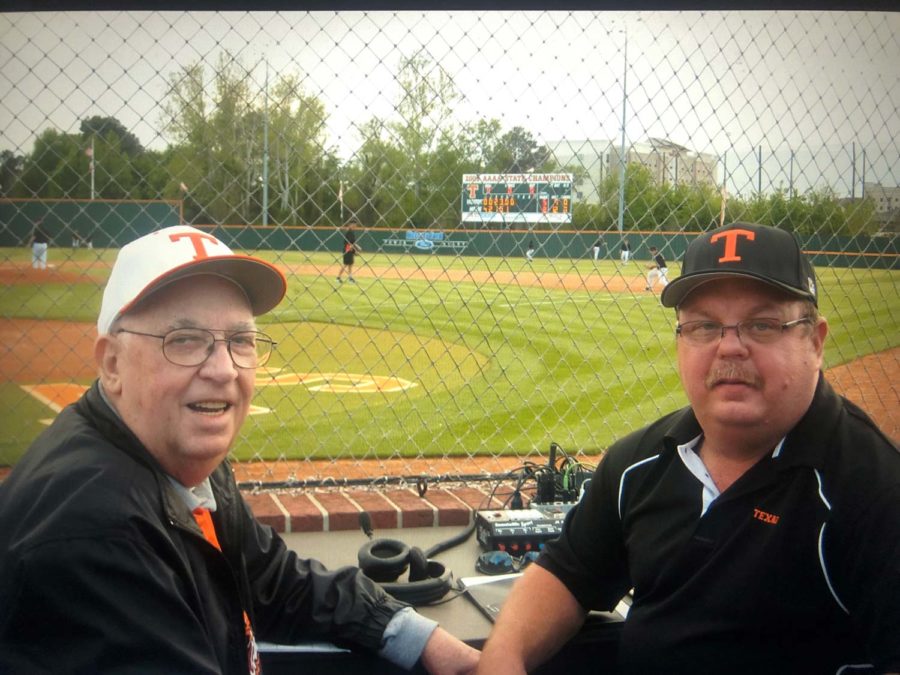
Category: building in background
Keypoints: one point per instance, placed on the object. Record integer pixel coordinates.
(588, 160)
(669, 163)
(887, 204)
(673, 164)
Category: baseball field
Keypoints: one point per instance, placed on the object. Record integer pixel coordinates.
(432, 356)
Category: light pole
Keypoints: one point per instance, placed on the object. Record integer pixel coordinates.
(622, 147)
(90, 154)
(265, 175)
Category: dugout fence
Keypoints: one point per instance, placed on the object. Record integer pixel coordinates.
(454, 354)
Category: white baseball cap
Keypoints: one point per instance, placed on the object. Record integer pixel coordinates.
(157, 259)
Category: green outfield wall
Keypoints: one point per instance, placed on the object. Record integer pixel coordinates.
(102, 223)
(111, 223)
(881, 252)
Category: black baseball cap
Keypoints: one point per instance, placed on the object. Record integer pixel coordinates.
(760, 252)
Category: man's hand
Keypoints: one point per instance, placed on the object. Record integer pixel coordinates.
(538, 617)
(447, 655)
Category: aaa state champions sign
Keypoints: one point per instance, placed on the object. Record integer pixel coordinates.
(509, 198)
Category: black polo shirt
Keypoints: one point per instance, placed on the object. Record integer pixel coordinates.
(795, 568)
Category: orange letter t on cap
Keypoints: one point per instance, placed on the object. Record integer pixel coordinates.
(197, 241)
(731, 238)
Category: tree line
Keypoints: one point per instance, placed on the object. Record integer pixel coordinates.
(239, 155)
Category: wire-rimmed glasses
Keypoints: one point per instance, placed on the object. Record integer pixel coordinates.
(192, 346)
(759, 330)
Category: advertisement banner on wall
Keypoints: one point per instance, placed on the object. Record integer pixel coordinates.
(426, 242)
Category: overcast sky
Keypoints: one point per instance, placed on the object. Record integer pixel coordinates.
(715, 82)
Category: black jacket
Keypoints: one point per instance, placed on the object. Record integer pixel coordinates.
(103, 568)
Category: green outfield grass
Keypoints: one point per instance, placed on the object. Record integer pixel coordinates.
(497, 368)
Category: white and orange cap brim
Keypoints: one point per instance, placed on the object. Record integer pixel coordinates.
(167, 255)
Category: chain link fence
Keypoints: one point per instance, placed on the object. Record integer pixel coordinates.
(497, 165)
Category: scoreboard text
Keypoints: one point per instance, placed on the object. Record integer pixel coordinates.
(505, 198)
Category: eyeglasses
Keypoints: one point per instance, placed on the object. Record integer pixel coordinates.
(192, 346)
(501, 562)
(760, 330)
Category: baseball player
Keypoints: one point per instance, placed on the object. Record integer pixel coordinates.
(658, 270)
(350, 249)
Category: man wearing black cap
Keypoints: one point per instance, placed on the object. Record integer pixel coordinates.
(125, 545)
(758, 528)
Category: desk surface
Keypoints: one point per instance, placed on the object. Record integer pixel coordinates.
(592, 650)
(459, 616)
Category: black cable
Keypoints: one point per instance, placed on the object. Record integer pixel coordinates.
(458, 539)
(455, 540)
(365, 523)
(456, 594)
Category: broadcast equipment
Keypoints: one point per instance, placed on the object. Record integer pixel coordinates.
(520, 530)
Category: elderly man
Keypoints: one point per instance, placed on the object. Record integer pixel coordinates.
(125, 544)
(759, 528)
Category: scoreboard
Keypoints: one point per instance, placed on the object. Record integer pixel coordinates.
(508, 198)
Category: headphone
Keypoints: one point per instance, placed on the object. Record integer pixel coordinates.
(384, 560)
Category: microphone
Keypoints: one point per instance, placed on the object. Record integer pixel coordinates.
(365, 523)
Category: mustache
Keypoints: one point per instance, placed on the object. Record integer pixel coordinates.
(732, 373)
